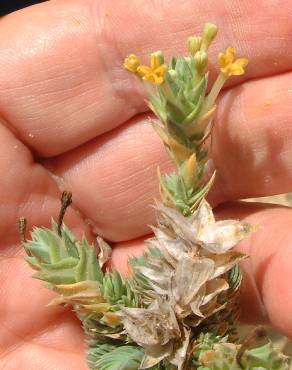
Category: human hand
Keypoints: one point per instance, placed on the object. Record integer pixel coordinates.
(72, 118)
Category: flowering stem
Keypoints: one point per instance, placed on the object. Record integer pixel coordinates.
(216, 88)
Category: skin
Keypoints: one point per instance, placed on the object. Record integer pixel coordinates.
(72, 118)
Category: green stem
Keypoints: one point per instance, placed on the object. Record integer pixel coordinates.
(216, 88)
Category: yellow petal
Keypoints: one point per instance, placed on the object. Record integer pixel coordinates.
(143, 71)
(229, 66)
(221, 60)
(226, 58)
(161, 70)
(154, 61)
(230, 53)
(151, 77)
(131, 63)
(237, 68)
(154, 76)
(157, 80)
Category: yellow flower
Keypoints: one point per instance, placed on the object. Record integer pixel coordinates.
(131, 63)
(229, 66)
(156, 72)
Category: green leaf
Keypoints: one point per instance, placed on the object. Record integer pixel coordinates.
(234, 277)
(66, 263)
(60, 259)
(173, 83)
(198, 91)
(119, 358)
(158, 105)
(265, 357)
(174, 113)
(172, 63)
(194, 113)
(69, 242)
(96, 351)
(119, 291)
(56, 277)
(33, 262)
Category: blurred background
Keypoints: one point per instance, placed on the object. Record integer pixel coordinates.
(8, 6)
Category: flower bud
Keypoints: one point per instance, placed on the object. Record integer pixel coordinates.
(201, 61)
(157, 59)
(194, 44)
(209, 34)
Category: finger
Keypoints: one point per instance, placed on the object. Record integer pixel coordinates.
(29, 328)
(27, 190)
(114, 177)
(269, 266)
(55, 90)
(33, 357)
(62, 82)
(252, 138)
(266, 291)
